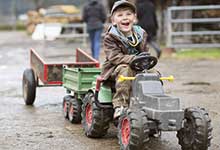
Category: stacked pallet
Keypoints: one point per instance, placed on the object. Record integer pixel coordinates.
(54, 14)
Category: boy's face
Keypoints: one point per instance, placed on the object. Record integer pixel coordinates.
(124, 18)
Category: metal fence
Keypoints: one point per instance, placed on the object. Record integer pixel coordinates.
(73, 31)
(193, 26)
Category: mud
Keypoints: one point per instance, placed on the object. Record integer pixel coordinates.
(43, 125)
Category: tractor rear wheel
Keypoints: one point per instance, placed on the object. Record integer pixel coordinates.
(29, 86)
(133, 130)
(74, 112)
(196, 133)
(95, 120)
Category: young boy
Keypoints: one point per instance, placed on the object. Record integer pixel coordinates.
(122, 43)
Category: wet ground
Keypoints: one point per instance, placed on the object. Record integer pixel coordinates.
(43, 126)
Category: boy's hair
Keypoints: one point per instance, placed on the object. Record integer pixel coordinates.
(123, 4)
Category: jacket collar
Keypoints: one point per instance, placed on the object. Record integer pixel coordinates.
(137, 30)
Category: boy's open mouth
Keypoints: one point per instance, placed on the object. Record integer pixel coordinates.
(125, 24)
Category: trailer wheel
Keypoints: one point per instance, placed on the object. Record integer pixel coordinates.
(196, 133)
(66, 103)
(133, 130)
(75, 110)
(95, 120)
(29, 86)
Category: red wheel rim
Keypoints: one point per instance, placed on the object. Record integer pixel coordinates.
(71, 110)
(64, 107)
(125, 131)
(88, 115)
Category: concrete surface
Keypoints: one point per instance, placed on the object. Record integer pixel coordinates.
(43, 125)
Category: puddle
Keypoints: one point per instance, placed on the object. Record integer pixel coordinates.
(197, 83)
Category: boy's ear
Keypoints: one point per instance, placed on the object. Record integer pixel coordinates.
(135, 19)
(113, 21)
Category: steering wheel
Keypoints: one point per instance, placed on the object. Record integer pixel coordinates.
(143, 62)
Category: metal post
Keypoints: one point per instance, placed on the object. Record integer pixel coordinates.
(14, 12)
(159, 20)
(84, 35)
(169, 27)
(187, 26)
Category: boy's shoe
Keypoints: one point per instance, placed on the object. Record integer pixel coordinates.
(118, 112)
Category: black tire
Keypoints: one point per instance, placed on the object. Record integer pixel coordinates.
(29, 86)
(66, 102)
(196, 133)
(133, 130)
(74, 111)
(95, 121)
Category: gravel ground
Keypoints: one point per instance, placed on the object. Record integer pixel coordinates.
(43, 125)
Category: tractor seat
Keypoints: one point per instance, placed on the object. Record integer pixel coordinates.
(109, 82)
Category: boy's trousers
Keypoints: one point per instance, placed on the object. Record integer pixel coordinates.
(123, 89)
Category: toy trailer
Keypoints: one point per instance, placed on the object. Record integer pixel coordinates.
(77, 81)
(46, 70)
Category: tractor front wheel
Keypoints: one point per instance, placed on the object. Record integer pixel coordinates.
(196, 133)
(95, 120)
(133, 130)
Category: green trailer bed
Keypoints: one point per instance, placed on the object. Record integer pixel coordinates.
(79, 80)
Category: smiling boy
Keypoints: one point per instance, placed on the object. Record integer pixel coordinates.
(122, 43)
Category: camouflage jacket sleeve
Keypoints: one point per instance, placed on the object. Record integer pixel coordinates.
(115, 51)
